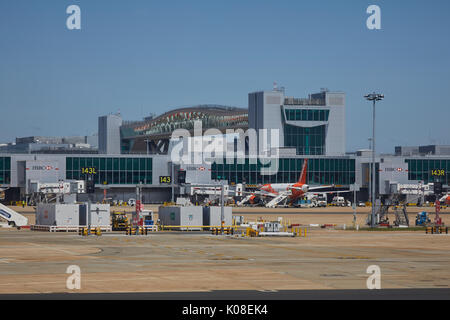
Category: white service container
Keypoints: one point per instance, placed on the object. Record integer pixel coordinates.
(57, 214)
(212, 216)
(181, 216)
(100, 215)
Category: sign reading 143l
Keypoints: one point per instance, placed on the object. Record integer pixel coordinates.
(89, 170)
(438, 172)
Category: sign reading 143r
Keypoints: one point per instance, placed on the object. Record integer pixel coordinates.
(438, 172)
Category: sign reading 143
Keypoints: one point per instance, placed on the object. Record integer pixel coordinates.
(165, 179)
(438, 172)
(89, 170)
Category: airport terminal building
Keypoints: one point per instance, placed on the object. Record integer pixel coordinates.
(138, 153)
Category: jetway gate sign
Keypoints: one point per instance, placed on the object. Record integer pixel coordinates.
(426, 189)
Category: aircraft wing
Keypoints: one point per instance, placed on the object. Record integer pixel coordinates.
(259, 194)
(321, 187)
(333, 192)
(314, 188)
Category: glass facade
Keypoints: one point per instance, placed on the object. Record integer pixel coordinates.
(429, 170)
(320, 171)
(307, 115)
(5, 170)
(307, 141)
(111, 170)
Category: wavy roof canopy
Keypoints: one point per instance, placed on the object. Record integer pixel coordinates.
(212, 116)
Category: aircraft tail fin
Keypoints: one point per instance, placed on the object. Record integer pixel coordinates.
(302, 179)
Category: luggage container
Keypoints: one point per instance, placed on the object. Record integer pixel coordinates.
(57, 214)
(212, 215)
(100, 215)
(181, 216)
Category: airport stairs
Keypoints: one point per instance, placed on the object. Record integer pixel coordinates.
(245, 200)
(401, 217)
(13, 218)
(276, 201)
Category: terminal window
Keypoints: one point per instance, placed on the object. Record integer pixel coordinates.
(307, 115)
(320, 171)
(422, 170)
(112, 170)
(5, 170)
(307, 141)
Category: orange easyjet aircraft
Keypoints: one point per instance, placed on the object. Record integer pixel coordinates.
(296, 190)
(292, 190)
(445, 199)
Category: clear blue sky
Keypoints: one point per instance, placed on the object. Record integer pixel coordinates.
(149, 56)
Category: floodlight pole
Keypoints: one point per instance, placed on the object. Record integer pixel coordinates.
(373, 168)
(172, 180)
(354, 205)
(374, 97)
(222, 208)
(370, 174)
